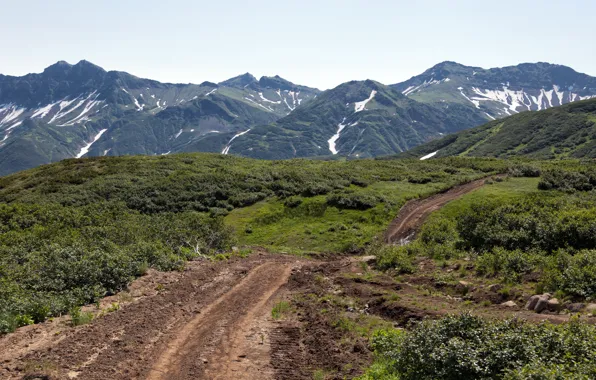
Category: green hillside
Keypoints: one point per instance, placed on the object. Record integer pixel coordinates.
(80, 229)
(567, 131)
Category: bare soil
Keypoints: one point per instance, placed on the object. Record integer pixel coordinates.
(210, 322)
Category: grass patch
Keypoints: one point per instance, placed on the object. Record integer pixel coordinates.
(79, 317)
(315, 226)
(280, 309)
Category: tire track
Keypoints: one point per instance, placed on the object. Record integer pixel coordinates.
(411, 217)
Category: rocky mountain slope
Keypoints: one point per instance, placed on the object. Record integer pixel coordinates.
(78, 110)
(567, 131)
(500, 92)
(355, 119)
(82, 110)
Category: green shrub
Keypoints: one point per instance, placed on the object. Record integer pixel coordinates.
(568, 180)
(293, 202)
(395, 257)
(469, 347)
(438, 231)
(575, 274)
(511, 264)
(524, 171)
(53, 256)
(419, 179)
(542, 371)
(353, 201)
(115, 306)
(528, 223)
(280, 309)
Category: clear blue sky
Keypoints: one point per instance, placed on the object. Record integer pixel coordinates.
(318, 43)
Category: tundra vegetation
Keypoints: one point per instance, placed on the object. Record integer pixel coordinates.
(529, 234)
(78, 230)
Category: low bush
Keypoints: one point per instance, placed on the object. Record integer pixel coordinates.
(524, 171)
(399, 258)
(532, 222)
(469, 347)
(280, 309)
(54, 257)
(510, 264)
(575, 275)
(567, 180)
(353, 201)
(79, 317)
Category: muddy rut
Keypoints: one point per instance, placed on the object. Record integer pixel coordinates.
(413, 214)
(214, 343)
(211, 322)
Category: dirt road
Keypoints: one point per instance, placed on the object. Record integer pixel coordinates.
(211, 322)
(411, 217)
(228, 320)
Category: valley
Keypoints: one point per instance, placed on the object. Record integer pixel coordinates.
(215, 266)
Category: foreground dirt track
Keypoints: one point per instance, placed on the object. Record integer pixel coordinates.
(198, 326)
(228, 320)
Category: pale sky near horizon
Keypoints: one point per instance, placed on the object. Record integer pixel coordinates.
(319, 43)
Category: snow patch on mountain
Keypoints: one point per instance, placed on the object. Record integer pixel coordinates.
(408, 90)
(475, 102)
(430, 155)
(259, 104)
(84, 150)
(43, 111)
(91, 103)
(65, 105)
(267, 100)
(512, 99)
(360, 106)
(412, 89)
(289, 106)
(335, 137)
(139, 106)
(226, 150)
(10, 113)
(14, 126)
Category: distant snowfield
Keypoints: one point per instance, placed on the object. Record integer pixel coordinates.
(360, 106)
(432, 81)
(267, 100)
(12, 112)
(335, 137)
(515, 101)
(85, 149)
(429, 156)
(226, 150)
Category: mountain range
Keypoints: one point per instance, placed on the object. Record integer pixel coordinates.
(82, 110)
